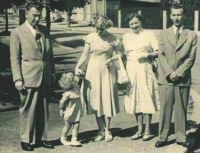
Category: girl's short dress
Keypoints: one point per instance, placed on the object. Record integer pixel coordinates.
(74, 107)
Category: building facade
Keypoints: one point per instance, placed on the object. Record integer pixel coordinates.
(111, 8)
(86, 14)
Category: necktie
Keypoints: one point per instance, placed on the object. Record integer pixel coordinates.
(177, 34)
(38, 36)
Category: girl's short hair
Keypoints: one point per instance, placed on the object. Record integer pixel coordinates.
(66, 80)
(102, 21)
(134, 15)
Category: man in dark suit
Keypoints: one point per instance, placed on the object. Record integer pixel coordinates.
(176, 56)
(33, 71)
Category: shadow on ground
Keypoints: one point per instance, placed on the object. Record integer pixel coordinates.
(61, 35)
(73, 43)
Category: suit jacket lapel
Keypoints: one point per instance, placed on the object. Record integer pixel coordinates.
(29, 35)
(182, 38)
(171, 36)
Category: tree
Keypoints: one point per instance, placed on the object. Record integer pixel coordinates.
(189, 3)
(5, 5)
(68, 6)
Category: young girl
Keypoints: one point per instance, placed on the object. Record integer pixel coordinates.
(70, 108)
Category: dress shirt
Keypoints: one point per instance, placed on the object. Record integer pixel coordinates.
(34, 31)
(180, 29)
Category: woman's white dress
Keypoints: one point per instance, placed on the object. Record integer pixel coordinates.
(100, 91)
(142, 95)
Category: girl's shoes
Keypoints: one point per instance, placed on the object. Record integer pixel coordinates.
(100, 137)
(137, 136)
(108, 136)
(75, 143)
(65, 142)
(147, 137)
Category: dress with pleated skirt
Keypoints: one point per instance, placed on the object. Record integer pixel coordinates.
(99, 88)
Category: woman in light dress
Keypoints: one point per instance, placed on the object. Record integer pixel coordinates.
(142, 99)
(100, 91)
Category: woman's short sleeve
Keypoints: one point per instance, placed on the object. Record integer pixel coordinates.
(88, 39)
(154, 41)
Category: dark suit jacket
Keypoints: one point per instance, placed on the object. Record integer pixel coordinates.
(178, 57)
(28, 62)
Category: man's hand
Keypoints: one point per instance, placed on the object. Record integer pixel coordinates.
(61, 113)
(173, 76)
(19, 85)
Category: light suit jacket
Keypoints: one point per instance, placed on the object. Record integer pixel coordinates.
(28, 62)
(178, 57)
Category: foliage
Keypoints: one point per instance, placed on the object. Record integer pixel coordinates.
(189, 3)
(8, 3)
(5, 4)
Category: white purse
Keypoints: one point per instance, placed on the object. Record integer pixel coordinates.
(122, 76)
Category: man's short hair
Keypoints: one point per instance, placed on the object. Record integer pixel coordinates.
(34, 4)
(177, 6)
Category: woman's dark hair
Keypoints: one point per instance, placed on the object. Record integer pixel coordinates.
(35, 4)
(132, 15)
(177, 6)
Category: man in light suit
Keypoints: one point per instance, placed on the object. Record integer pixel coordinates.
(33, 71)
(176, 56)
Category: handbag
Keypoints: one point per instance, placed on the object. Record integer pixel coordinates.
(154, 65)
(122, 76)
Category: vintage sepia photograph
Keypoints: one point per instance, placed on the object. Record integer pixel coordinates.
(103, 76)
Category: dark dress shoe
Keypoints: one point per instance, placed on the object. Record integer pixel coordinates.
(26, 146)
(44, 144)
(195, 134)
(184, 144)
(160, 144)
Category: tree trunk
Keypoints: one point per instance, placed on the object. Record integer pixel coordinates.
(69, 14)
(68, 20)
(48, 22)
(22, 15)
(6, 17)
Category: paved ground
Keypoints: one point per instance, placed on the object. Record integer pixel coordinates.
(123, 125)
